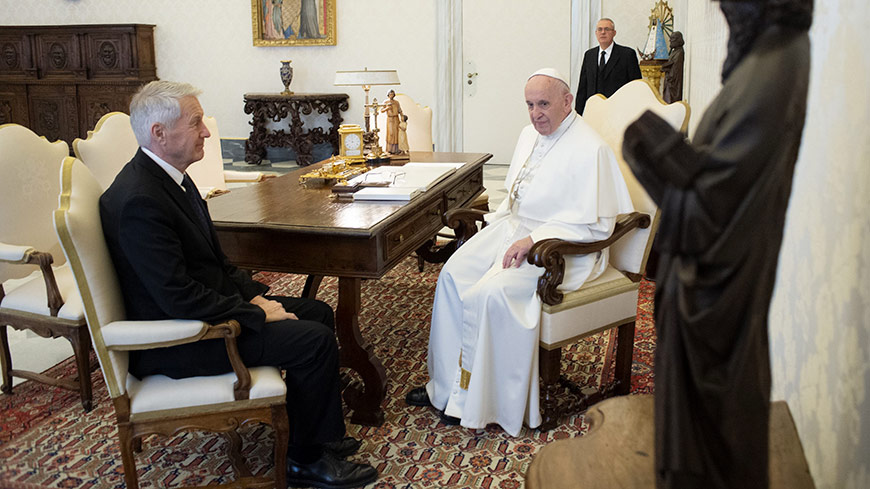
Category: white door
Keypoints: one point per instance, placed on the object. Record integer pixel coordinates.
(503, 42)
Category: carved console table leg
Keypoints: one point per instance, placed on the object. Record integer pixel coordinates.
(255, 146)
(357, 355)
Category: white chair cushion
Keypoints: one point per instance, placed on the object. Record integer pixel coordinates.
(609, 300)
(28, 294)
(150, 334)
(158, 392)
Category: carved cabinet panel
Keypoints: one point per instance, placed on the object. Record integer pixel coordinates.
(59, 80)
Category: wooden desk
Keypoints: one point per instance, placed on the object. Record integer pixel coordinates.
(279, 225)
(275, 107)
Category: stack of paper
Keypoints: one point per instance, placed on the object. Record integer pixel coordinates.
(386, 193)
(401, 182)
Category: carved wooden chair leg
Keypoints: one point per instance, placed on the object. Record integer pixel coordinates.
(5, 362)
(81, 344)
(128, 445)
(280, 424)
(420, 263)
(549, 365)
(312, 283)
(624, 353)
(234, 450)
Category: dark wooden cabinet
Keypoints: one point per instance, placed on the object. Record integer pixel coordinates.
(59, 80)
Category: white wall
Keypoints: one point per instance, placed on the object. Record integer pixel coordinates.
(820, 316)
(209, 44)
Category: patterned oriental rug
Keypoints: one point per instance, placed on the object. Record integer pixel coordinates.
(47, 441)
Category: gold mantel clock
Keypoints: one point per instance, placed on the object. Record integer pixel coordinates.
(351, 139)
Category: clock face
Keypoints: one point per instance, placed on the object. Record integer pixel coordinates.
(352, 141)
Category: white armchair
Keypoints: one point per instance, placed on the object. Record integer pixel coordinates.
(37, 292)
(419, 129)
(157, 404)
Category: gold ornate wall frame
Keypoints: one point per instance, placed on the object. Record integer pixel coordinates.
(293, 22)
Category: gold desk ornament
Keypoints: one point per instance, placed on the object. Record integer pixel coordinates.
(350, 137)
(335, 170)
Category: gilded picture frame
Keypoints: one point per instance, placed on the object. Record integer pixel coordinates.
(293, 22)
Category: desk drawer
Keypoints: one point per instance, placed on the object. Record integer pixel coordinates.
(463, 193)
(414, 231)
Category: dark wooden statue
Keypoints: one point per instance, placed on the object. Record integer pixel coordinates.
(672, 90)
(723, 201)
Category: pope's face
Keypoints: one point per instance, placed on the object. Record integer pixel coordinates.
(548, 102)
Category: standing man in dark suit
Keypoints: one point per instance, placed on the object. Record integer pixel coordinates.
(170, 265)
(605, 68)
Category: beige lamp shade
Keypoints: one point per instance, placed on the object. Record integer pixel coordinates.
(366, 77)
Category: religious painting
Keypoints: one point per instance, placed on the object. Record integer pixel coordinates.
(293, 22)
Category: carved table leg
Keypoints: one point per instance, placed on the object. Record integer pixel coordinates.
(549, 365)
(357, 355)
(5, 361)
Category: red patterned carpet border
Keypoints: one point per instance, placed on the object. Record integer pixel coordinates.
(47, 441)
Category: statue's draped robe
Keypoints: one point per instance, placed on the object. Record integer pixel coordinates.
(723, 211)
(483, 346)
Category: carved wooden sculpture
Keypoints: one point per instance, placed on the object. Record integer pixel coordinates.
(723, 201)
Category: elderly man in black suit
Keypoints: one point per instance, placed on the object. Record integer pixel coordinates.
(605, 68)
(170, 265)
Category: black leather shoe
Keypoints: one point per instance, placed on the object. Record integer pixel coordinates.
(418, 397)
(329, 472)
(448, 420)
(343, 448)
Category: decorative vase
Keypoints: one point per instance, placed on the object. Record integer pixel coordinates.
(286, 76)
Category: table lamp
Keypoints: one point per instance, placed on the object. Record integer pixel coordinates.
(366, 78)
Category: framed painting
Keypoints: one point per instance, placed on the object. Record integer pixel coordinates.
(293, 22)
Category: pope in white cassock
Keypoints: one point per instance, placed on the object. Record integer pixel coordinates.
(563, 182)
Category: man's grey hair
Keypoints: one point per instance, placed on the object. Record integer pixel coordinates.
(608, 20)
(157, 102)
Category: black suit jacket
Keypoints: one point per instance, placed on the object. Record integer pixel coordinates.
(167, 265)
(621, 68)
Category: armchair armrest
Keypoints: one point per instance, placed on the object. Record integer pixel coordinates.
(549, 254)
(14, 253)
(143, 335)
(462, 221)
(27, 255)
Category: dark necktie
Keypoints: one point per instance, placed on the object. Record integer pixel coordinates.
(195, 203)
(599, 80)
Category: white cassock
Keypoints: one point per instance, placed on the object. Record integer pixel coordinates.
(483, 345)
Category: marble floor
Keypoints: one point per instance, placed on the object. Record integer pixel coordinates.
(31, 352)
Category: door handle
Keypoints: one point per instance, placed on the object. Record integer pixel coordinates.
(470, 76)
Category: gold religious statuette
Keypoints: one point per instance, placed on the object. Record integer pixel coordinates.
(351, 139)
(337, 171)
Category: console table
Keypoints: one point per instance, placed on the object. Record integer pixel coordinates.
(59, 80)
(276, 107)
